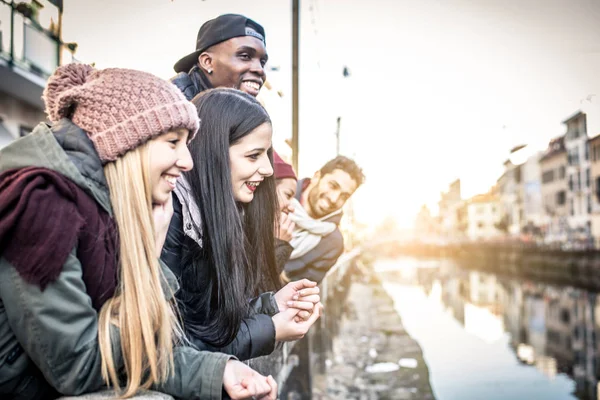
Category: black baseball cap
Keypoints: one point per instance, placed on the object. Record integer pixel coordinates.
(218, 30)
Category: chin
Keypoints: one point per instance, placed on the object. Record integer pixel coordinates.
(160, 198)
(245, 198)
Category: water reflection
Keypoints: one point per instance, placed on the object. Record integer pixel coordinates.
(548, 329)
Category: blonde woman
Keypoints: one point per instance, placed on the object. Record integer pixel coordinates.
(85, 205)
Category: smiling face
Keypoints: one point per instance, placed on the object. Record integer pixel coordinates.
(330, 193)
(286, 190)
(236, 63)
(169, 157)
(250, 163)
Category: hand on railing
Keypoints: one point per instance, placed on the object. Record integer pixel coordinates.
(242, 382)
(302, 294)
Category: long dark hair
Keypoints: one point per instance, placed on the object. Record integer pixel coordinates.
(239, 240)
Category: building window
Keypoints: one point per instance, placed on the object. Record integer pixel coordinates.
(589, 204)
(561, 172)
(571, 183)
(579, 182)
(598, 188)
(573, 157)
(587, 178)
(561, 198)
(548, 176)
(572, 207)
(587, 151)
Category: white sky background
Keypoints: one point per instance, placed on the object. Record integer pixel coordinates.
(432, 83)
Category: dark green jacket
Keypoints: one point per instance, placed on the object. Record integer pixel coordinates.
(49, 340)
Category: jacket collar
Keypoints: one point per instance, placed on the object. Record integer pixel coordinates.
(81, 152)
(192, 219)
(64, 148)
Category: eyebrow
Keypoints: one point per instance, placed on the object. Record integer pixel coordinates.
(337, 185)
(251, 50)
(256, 149)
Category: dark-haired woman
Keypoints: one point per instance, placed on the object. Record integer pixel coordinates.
(221, 240)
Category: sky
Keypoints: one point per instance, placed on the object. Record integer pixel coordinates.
(438, 90)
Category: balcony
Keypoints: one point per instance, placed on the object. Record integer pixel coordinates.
(29, 52)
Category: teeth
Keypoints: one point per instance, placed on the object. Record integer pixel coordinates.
(252, 85)
(171, 179)
(255, 184)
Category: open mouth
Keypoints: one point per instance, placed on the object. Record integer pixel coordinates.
(251, 85)
(252, 185)
(171, 180)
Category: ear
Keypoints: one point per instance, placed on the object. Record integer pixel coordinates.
(317, 176)
(205, 61)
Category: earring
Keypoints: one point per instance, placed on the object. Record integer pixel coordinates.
(209, 71)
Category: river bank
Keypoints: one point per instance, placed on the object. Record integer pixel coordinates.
(372, 357)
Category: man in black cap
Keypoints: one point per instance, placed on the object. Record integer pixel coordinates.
(230, 52)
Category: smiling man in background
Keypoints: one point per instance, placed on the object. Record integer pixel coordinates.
(317, 240)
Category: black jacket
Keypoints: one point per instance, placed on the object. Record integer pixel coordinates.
(256, 336)
(283, 251)
(192, 83)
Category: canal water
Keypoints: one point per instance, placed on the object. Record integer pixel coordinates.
(490, 337)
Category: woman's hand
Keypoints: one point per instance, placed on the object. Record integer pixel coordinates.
(286, 228)
(162, 214)
(289, 327)
(242, 382)
(301, 295)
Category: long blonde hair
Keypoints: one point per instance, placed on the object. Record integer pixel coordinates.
(147, 322)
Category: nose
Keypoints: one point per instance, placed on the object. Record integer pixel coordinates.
(258, 69)
(333, 198)
(265, 169)
(185, 162)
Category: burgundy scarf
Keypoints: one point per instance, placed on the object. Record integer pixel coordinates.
(43, 215)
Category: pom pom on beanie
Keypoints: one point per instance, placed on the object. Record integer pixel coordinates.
(62, 88)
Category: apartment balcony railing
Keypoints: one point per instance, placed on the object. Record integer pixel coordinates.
(29, 52)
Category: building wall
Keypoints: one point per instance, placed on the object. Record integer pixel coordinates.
(449, 205)
(594, 145)
(511, 204)
(532, 191)
(578, 171)
(18, 117)
(482, 218)
(554, 181)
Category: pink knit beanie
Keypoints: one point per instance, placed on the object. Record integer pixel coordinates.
(120, 109)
